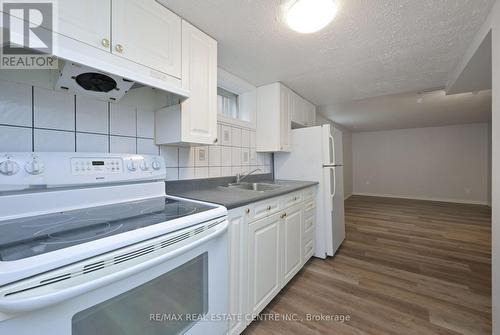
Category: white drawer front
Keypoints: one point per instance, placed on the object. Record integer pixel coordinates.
(308, 250)
(309, 206)
(266, 208)
(291, 199)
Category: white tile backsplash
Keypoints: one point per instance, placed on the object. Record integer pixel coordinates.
(215, 155)
(92, 142)
(123, 145)
(15, 104)
(13, 139)
(146, 146)
(236, 157)
(54, 110)
(226, 135)
(245, 138)
(123, 120)
(94, 126)
(171, 156)
(236, 137)
(186, 173)
(226, 156)
(145, 123)
(186, 156)
(201, 156)
(54, 140)
(91, 115)
(201, 172)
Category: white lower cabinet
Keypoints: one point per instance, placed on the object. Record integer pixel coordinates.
(238, 281)
(270, 241)
(264, 260)
(292, 242)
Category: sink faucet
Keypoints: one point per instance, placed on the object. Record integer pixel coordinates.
(239, 177)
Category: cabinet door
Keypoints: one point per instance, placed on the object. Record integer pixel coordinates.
(199, 76)
(264, 262)
(292, 242)
(238, 281)
(286, 108)
(147, 33)
(86, 21)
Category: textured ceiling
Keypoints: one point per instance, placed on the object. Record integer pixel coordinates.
(372, 48)
(411, 110)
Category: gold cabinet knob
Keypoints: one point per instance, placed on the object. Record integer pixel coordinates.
(105, 42)
(119, 48)
(283, 215)
(247, 211)
(269, 208)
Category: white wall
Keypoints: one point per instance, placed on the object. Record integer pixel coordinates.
(347, 149)
(437, 163)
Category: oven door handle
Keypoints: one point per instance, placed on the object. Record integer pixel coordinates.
(30, 300)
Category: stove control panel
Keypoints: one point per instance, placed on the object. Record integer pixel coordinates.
(20, 170)
(89, 166)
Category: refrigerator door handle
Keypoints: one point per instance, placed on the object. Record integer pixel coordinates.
(333, 182)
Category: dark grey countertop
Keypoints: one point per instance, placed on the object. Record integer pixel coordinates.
(211, 190)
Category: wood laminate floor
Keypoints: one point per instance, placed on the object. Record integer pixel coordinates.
(406, 267)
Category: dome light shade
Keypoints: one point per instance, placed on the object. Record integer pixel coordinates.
(309, 16)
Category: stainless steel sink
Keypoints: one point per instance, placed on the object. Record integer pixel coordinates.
(257, 187)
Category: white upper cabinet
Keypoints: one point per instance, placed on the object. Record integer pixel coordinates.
(86, 21)
(303, 112)
(194, 121)
(274, 108)
(147, 33)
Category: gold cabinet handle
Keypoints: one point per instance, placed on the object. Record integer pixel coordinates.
(105, 42)
(119, 48)
(248, 211)
(283, 215)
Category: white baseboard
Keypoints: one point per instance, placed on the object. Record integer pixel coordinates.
(458, 201)
(348, 196)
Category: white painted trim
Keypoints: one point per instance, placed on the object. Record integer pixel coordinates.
(457, 201)
(348, 196)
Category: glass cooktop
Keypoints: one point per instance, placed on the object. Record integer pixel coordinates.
(26, 237)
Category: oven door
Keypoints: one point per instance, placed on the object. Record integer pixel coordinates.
(181, 288)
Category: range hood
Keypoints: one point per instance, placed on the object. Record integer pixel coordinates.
(80, 79)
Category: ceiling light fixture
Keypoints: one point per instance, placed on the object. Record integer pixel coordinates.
(309, 16)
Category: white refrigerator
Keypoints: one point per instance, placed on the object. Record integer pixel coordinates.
(317, 156)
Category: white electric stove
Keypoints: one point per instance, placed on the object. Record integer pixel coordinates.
(90, 244)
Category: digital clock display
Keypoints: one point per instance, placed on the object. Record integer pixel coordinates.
(97, 163)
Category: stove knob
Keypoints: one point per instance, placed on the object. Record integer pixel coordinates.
(144, 165)
(156, 165)
(35, 167)
(9, 168)
(132, 166)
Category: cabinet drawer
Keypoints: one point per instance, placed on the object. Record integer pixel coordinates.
(291, 199)
(308, 194)
(308, 225)
(309, 206)
(308, 250)
(265, 208)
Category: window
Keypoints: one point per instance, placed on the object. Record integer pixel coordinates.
(227, 104)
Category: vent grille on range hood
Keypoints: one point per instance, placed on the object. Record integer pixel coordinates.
(80, 79)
